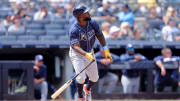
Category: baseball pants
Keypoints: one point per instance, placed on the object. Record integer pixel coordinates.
(110, 80)
(79, 62)
(130, 85)
(43, 86)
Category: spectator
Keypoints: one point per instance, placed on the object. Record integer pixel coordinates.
(59, 13)
(104, 12)
(168, 15)
(175, 15)
(166, 77)
(22, 14)
(54, 3)
(114, 33)
(170, 30)
(153, 20)
(108, 78)
(105, 29)
(126, 15)
(42, 14)
(147, 3)
(40, 77)
(137, 34)
(16, 26)
(69, 9)
(125, 30)
(130, 78)
(153, 14)
(16, 5)
(7, 21)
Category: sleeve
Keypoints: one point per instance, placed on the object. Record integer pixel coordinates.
(98, 56)
(97, 28)
(74, 37)
(115, 57)
(157, 58)
(142, 57)
(123, 58)
(36, 16)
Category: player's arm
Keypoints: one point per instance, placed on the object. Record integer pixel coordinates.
(78, 49)
(161, 66)
(101, 40)
(100, 37)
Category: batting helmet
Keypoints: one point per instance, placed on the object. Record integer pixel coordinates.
(80, 10)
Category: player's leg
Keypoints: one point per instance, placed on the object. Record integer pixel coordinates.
(101, 84)
(126, 83)
(111, 81)
(78, 64)
(44, 90)
(136, 82)
(92, 73)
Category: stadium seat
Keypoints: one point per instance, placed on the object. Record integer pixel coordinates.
(36, 32)
(57, 32)
(16, 33)
(60, 21)
(8, 38)
(2, 32)
(41, 21)
(53, 26)
(34, 26)
(26, 37)
(47, 38)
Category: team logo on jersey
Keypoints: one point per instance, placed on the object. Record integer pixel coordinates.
(83, 36)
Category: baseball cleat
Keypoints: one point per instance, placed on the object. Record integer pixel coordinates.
(81, 99)
(87, 93)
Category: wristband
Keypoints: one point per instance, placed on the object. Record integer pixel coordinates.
(105, 47)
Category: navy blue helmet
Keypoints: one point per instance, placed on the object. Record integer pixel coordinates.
(80, 10)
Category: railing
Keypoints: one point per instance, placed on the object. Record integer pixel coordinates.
(150, 92)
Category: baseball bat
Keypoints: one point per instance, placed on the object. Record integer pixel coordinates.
(62, 88)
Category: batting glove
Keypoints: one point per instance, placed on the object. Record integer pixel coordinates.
(107, 53)
(90, 56)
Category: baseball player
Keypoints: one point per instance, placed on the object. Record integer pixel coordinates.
(82, 35)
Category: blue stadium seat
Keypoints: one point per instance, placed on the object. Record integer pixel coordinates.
(34, 26)
(47, 38)
(2, 32)
(8, 38)
(57, 32)
(16, 33)
(53, 26)
(60, 21)
(36, 32)
(26, 37)
(41, 21)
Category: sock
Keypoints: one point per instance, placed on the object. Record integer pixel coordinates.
(80, 90)
(90, 84)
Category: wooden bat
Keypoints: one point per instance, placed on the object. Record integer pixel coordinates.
(61, 89)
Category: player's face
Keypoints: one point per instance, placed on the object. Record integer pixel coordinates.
(86, 17)
(167, 53)
(38, 63)
(172, 23)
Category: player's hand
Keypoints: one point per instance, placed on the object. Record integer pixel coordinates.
(36, 81)
(90, 56)
(105, 61)
(36, 68)
(107, 53)
(163, 71)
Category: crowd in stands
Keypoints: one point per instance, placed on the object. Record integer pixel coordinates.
(120, 19)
